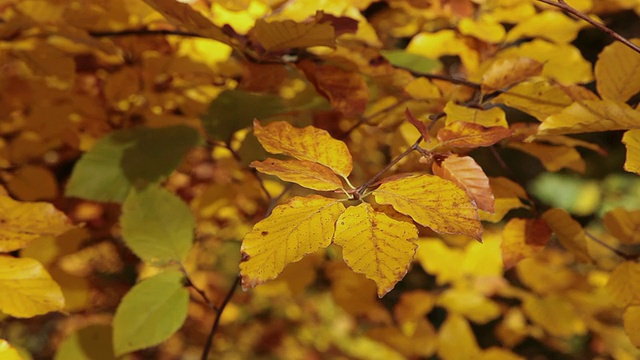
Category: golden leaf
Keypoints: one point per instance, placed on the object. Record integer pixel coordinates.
(309, 143)
(27, 289)
(299, 227)
(413, 306)
(591, 116)
(631, 319)
(624, 225)
(282, 35)
(483, 28)
(488, 118)
(470, 303)
(624, 284)
(554, 314)
(551, 25)
(631, 139)
(439, 260)
(433, 202)
(422, 89)
(539, 98)
(506, 72)
(23, 222)
(8, 352)
(444, 42)
(419, 341)
(523, 238)
(376, 245)
(471, 135)
(469, 176)
(568, 232)
(507, 196)
(553, 158)
(456, 339)
(618, 72)
(304, 173)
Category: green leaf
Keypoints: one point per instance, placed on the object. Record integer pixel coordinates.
(233, 110)
(150, 312)
(411, 62)
(93, 342)
(129, 157)
(157, 226)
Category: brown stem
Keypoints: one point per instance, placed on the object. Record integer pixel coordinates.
(364, 120)
(216, 322)
(190, 284)
(562, 5)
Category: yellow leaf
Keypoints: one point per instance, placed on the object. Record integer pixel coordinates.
(554, 314)
(553, 158)
(523, 238)
(506, 72)
(422, 89)
(472, 304)
(444, 42)
(624, 225)
(568, 232)
(7, 352)
(631, 318)
(27, 289)
(539, 98)
(23, 222)
(282, 35)
(471, 135)
(496, 353)
(433, 202)
(618, 72)
(420, 342)
(456, 340)
(551, 25)
(376, 245)
(483, 29)
(469, 176)
(309, 143)
(631, 139)
(294, 229)
(413, 306)
(591, 116)
(547, 274)
(507, 196)
(488, 118)
(439, 260)
(624, 284)
(304, 173)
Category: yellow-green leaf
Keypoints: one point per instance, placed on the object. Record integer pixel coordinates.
(591, 116)
(294, 229)
(624, 284)
(26, 221)
(618, 72)
(304, 173)
(433, 202)
(376, 245)
(632, 140)
(27, 289)
(309, 143)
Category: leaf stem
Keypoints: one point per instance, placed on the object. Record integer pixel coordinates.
(216, 322)
(562, 5)
(190, 284)
(614, 250)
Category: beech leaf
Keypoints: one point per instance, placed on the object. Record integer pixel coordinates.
(487, 118)
(618, 72)
(522, 238)
(287, 34)
(94, 342)
(624, 284)
(536, 97)
(304, 173)
(631, 319)
(624, 225)
(469, 176)
(470, 135)
(591, 116)
(506, 72)
(552, 157)
(631, 139)
(376, 245)
(568, 232)
(309, 143)
(433, 202)
(299, 227)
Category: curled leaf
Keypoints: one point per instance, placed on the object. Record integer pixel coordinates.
(469, 176)
(304, 173)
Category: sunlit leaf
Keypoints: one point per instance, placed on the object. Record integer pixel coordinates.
(487, 118)
(554, 314)
(553, 158)
(309, 143)
(624, 284)
(376, 245)
(94, 342)
(413, 305)
(127, 157)
(444, 42)
(482, 28)
(631, 319)
(411, 62)
(304, 173)
(8, 352)
(471, 135)
(157, 226)
(23, 222)
(422, 89)
(468, 175)
(294, 229)
(539, 98)
(509, 71)
(469, 303)
(591, 116)
(433, 202)
(27, 288)
(522, 238)
(507, 195)
(568, 232)
(551, 25)
(439, 260)
(618, 72)
(417, 341)
(631, 139)
(456, 339)
(150, 312)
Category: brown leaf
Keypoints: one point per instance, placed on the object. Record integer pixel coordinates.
(469, 176)
(417, 123)
(471, 135)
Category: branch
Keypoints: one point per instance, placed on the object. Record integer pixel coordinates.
(190, 284)
(562, 5)
(614, 250)
(453, 80)
(216, 322)
(143, 32)
(364, 120)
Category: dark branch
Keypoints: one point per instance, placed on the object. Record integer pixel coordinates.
(216, 322)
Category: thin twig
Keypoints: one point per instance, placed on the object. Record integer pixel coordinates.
(562, 5)
(365, 120)
(216, 322)
(143, 32)
(614, 250)
(198, 290)
(453, 80)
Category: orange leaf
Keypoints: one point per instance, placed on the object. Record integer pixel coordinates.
(346, 90)
(376, 245)
(469, 176)
(509, 71)
(470, 135)
(287, 34)
(304, 173)
(433, 202)
(523, 238)
(624, 225)
(309, 143)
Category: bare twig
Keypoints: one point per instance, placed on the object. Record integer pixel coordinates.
(562, 5)
(453, 80)
(190, 284)
(216, 322)
(365, 120)
(614, 250)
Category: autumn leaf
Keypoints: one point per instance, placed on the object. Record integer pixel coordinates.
(631, 139)
(469, 176)
(376, 245)
(522, 238)
(27, 288)
(591, 116)
(304, 173)
(419, 125)
(568, 232)
(552, 157)
(537, 97)
(23, 222)
(487, 118)
(439, 260)
(309, 143)
(456, 339)
(471, 135)
(624, 284)
(413, 306)
(90, 342)
(618, 72)
(624, 225)
(8, 352)
(417, 341)
(299, 227)
(470, 303)
(551, 25)
(507, 195)
(287, 34)
(506, 72)
(631, 319)
(554, 314)
(433, 202)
